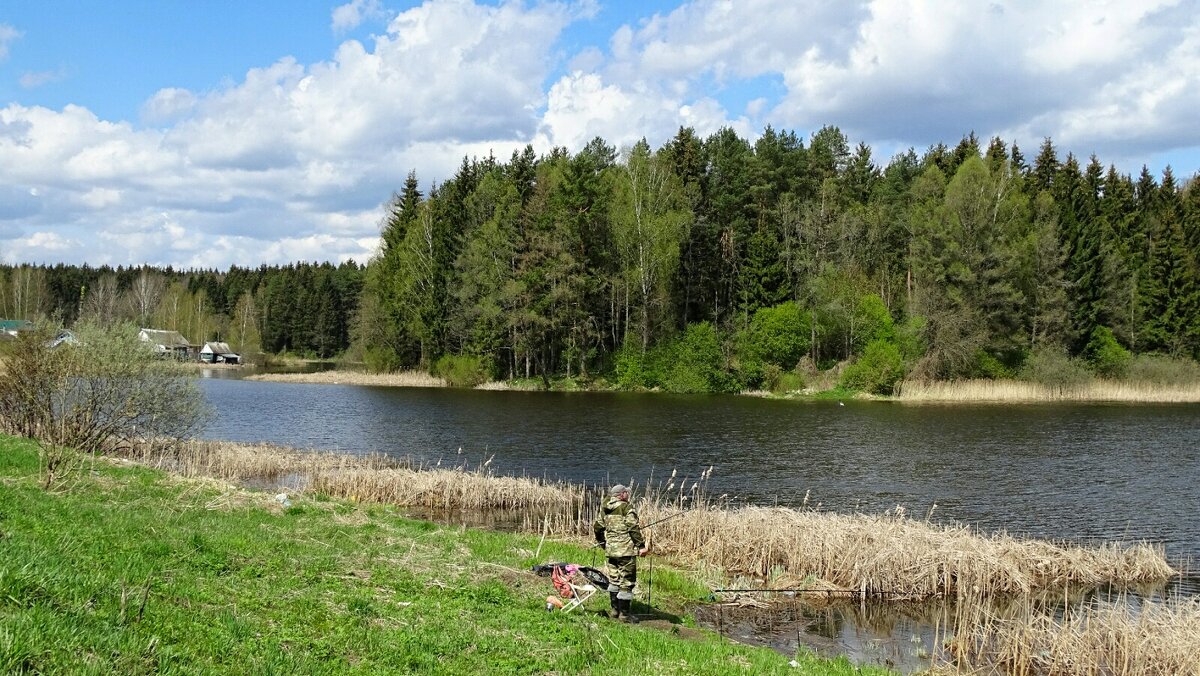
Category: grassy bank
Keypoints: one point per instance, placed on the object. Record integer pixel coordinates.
(136, 571)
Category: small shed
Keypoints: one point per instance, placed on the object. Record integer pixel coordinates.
(168, 343)
(219, 353)
(63, 337)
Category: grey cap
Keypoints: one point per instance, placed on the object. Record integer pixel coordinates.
(618, 489)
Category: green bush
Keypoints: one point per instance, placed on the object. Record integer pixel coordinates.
(986, 365)
(1157, 369)
(630, 368)
(776, 335)
(463, 370)
(877, 371)
(1105, 355)
(380, 359)
(788, 381)
(873, 320)
(696, 362)
(1054, 368)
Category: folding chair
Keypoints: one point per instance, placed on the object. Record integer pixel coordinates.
(574, 589)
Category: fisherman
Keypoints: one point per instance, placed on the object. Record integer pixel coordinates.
(618, 532)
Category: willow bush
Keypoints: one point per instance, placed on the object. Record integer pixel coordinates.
(100, 391)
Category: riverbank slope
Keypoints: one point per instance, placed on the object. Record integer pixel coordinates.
(132, 570)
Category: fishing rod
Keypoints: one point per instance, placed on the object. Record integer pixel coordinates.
(853, 592)
(655, 523)
(665, 518)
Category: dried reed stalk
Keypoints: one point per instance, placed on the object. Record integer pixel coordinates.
(1008, 391)
(398, 379)
(1118, 638)
(893, 555)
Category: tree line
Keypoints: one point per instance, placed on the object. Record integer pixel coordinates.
(718, 263)
(713, 264)
(305, 308)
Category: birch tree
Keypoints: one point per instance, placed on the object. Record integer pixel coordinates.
(649, 220)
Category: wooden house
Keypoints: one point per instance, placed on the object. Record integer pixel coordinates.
(168, 343)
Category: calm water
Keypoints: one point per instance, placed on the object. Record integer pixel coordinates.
(1075, 472)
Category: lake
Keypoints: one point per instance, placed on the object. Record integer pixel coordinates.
(1078, 472)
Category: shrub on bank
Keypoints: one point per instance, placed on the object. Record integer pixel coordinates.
(379, 359)
(696, 363)
(878, 371)
(463, 370)
(1105, 355)
(1157, 369)
(1054, 369)
(102, 390)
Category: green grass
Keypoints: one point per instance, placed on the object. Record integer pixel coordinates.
(133, 571)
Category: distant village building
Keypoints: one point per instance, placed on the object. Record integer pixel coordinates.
(218, 353)
(63, 337)
(170, 343)
(9, 328)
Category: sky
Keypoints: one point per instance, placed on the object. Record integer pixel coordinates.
(218, 133)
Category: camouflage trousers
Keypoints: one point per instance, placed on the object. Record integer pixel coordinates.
(622, 575)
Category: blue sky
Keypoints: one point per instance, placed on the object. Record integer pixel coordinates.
(213, 133)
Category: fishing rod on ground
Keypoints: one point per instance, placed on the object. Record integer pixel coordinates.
(848, 592)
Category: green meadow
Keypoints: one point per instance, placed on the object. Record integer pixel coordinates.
(130, 570)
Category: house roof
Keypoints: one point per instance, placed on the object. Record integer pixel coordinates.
(167, 339)
(218, 348)
(13, 325)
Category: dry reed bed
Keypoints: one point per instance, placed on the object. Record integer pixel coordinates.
(1010, 391)
(398, 379)
(894, 556)
(1113, 638)
(889, 555)
(369, 479)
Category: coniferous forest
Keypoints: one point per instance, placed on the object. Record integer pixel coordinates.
(717, 264)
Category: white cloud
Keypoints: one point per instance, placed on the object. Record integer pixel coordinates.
(168, 105)
(98, 198)
(351, 15)
(294, 160)
(34, 80)
(921, 71)
(47, 241)
(7, 35)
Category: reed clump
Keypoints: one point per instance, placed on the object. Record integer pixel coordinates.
(893, 556)
(397, 379)
(373, 478)
(1017, 391)
(1115, 637)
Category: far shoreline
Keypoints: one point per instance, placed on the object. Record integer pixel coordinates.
(910, 392)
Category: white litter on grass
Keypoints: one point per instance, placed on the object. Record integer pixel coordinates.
(282, 499)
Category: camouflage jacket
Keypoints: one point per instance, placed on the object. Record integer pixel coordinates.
(617, 528)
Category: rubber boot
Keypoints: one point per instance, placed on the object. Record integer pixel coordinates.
(625, 611)
(616, 605)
